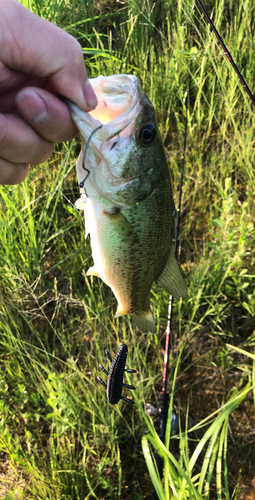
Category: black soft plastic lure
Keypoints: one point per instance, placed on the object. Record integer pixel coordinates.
(115, 376)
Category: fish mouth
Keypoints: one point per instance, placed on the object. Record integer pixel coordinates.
(118, 106)
(116, 96)
(111, 162)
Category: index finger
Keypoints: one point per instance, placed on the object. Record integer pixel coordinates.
(34, 46)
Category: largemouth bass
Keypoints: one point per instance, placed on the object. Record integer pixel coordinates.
(127, 197)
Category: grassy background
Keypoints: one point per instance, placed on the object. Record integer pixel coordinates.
(59, 438)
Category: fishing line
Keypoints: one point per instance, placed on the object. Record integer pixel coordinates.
(69, 201)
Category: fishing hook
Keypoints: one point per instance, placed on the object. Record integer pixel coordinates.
(84, 158)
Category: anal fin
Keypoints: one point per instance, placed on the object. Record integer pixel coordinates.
(144, 321)
(171, 278)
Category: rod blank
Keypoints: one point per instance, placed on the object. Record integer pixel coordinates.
(227, 53)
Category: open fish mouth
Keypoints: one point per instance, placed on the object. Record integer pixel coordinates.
(118, 106)
(109, 142)
(116, 95)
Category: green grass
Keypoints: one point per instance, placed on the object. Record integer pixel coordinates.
(59, 438)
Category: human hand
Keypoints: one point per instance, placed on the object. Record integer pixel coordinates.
(38, 61)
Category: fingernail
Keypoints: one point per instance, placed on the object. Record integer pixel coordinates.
(32, 105)
(89, 94)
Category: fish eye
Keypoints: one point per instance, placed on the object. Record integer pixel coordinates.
(147, 134)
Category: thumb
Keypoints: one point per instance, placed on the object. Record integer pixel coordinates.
(34, 46)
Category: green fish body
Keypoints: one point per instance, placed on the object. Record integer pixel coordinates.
(127, 197)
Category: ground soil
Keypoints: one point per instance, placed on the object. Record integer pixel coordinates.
(11, 481)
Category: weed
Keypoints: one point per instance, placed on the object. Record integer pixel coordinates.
(58, 434)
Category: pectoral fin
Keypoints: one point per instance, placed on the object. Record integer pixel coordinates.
(79, 204)
(171, 278)
(122, 227)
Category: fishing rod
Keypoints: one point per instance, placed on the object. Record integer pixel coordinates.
(226, 52)
(164, 396)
